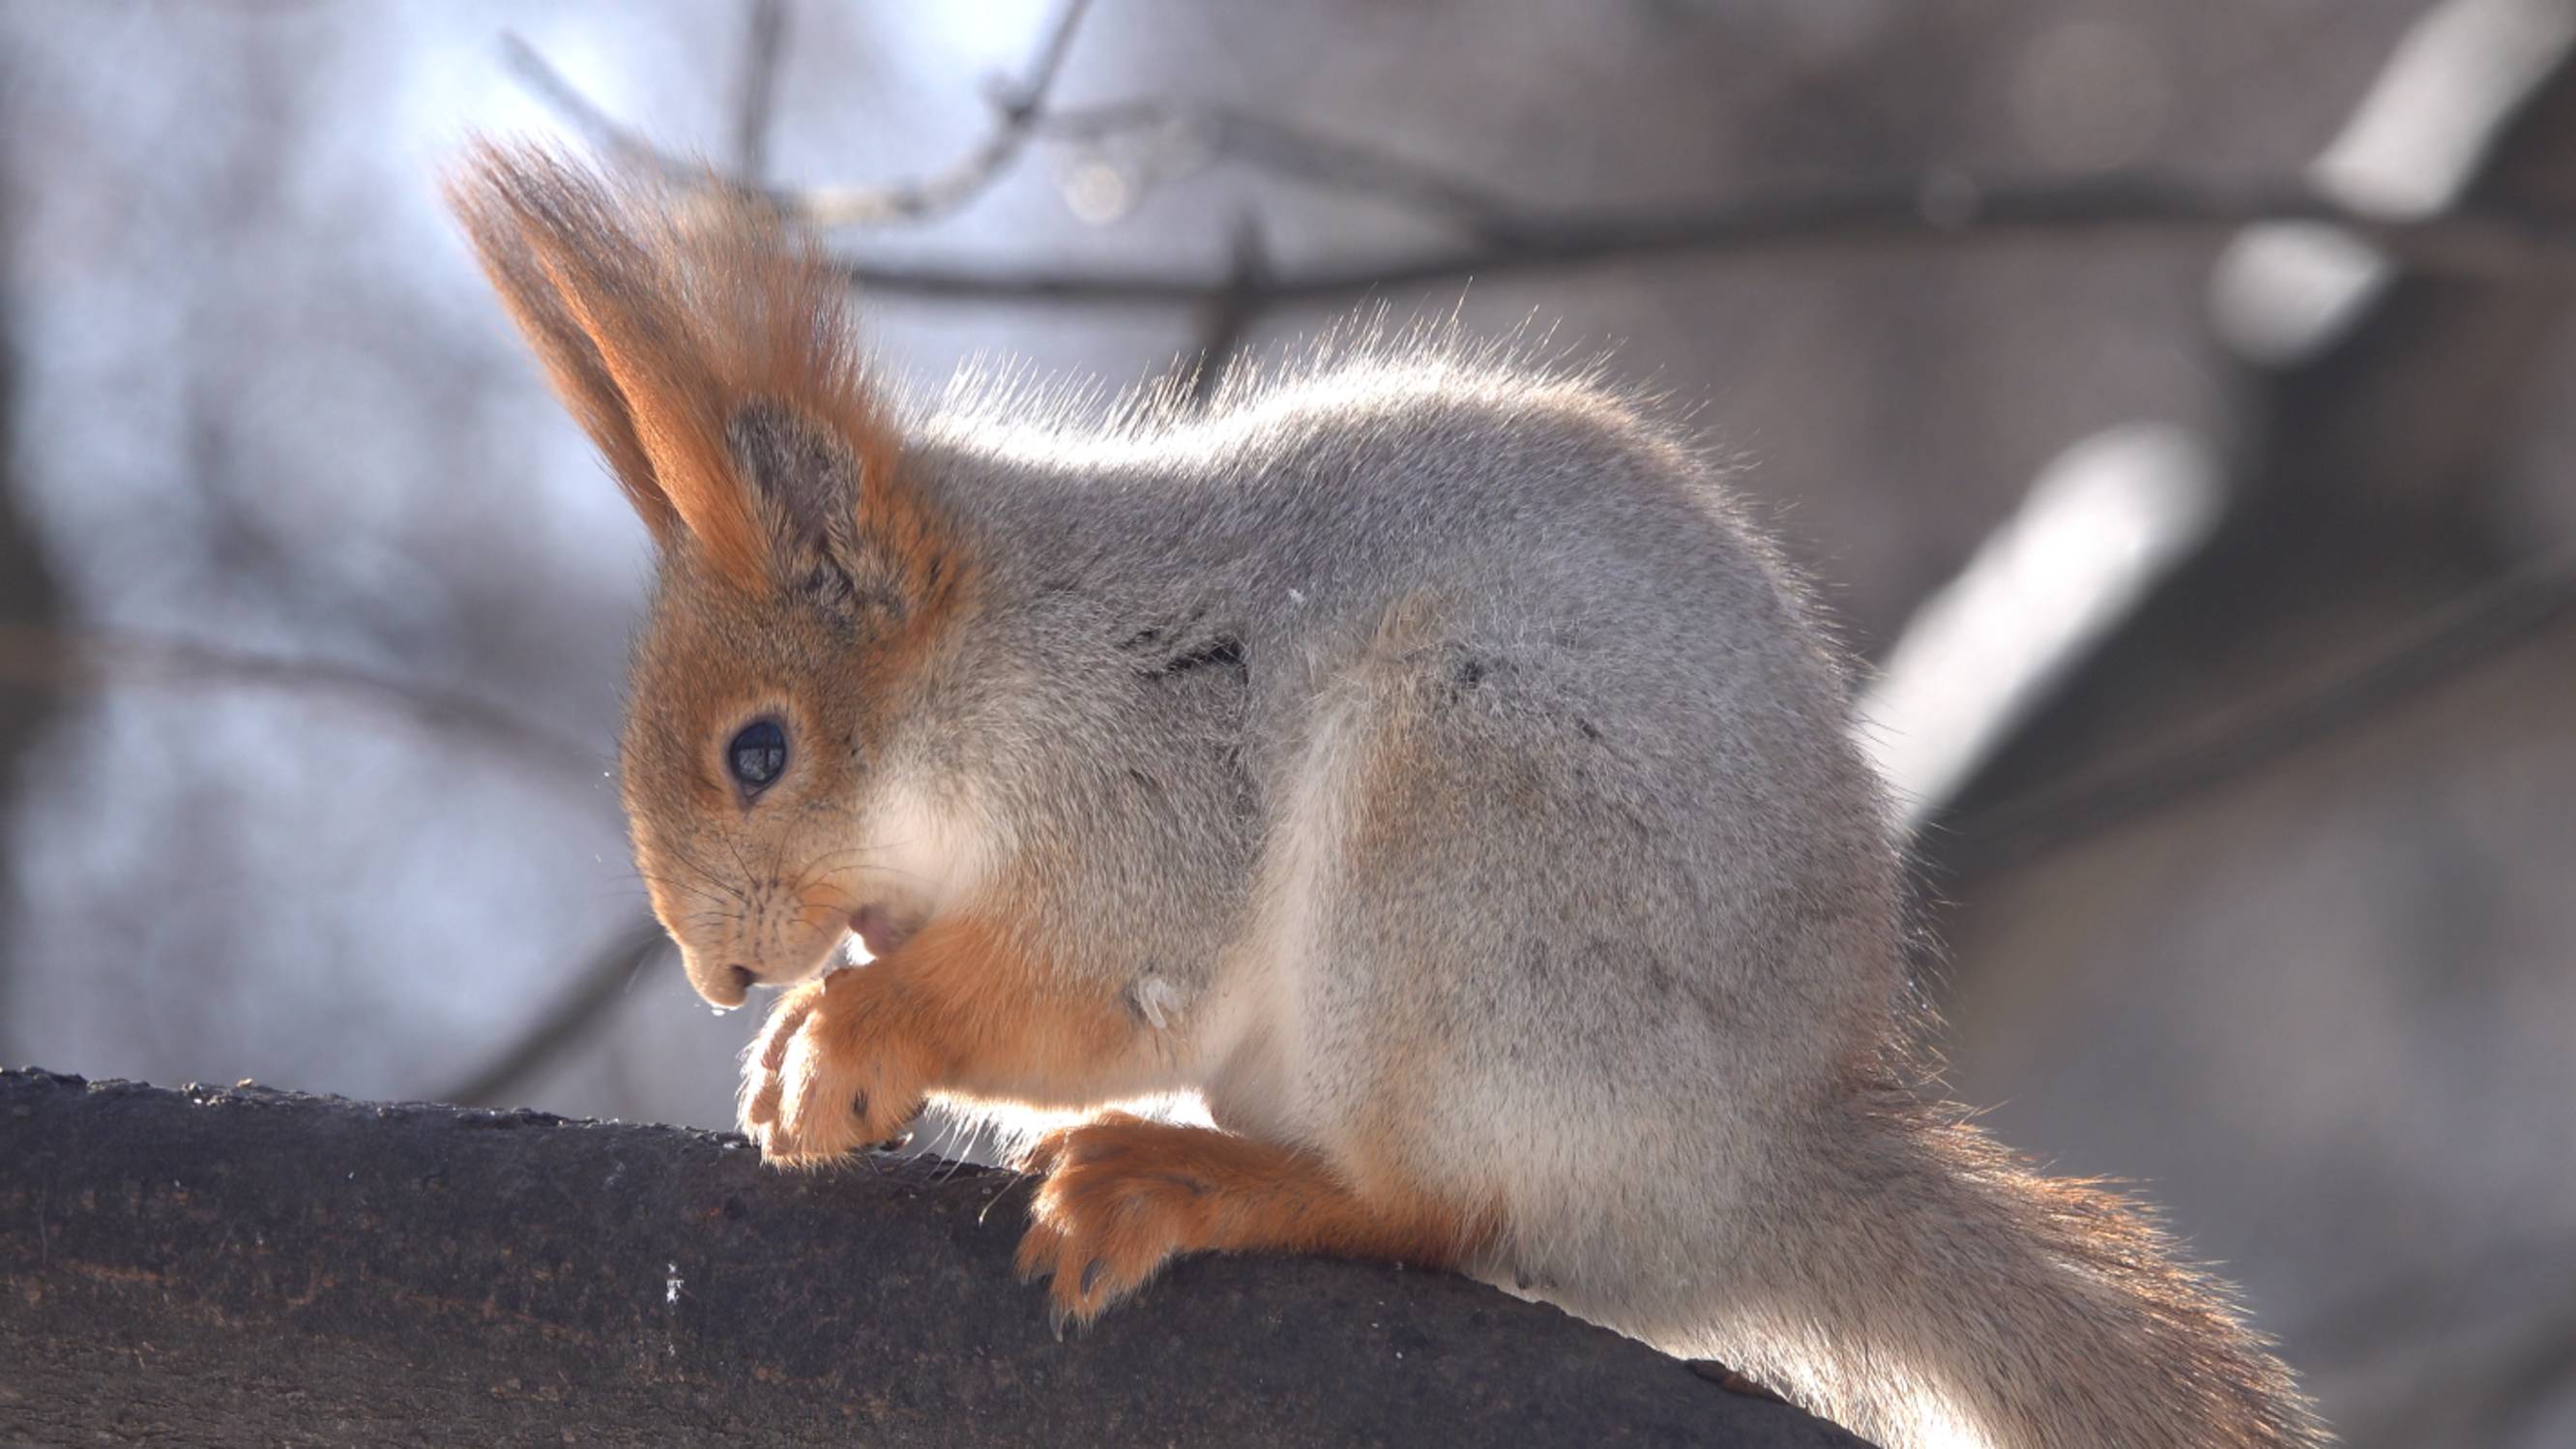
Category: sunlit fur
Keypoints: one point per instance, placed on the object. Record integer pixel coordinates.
(1412, 754)
(717, 371)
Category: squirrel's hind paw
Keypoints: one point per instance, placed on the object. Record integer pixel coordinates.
(1122, 1197)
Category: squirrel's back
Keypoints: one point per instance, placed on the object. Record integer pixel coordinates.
(1529, 548)
(1556, 834)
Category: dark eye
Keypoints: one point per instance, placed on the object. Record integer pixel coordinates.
(758, 755)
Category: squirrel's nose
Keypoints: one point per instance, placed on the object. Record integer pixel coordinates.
(744, 978)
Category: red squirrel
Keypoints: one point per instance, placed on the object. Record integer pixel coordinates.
(1416, 756)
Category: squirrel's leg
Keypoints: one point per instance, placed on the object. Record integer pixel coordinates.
(845, 1061)
(1124, 1195)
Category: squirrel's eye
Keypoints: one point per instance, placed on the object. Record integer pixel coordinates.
(758, 755)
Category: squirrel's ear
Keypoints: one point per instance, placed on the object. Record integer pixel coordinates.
(713, 357)
(829, 540)
(498, 196)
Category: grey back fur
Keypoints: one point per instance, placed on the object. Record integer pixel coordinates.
(1462, 790)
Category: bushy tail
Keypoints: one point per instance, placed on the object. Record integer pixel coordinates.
(1926, 1288)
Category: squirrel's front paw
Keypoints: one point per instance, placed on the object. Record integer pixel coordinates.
(824, 1080)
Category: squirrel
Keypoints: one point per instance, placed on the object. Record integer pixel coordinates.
(1418, 757)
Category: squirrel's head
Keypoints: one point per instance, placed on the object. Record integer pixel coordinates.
(805, 590)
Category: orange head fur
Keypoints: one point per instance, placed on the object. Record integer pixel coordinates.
(712, 357)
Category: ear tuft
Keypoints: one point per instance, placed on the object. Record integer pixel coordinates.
(666, 320)
(516, 207)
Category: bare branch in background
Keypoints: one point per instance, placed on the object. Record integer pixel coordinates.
(1934, 210)
(1229, 316)
(1215, 131)
(86, 658)
(603, 130)
(59, 659)
(1017, 108)
(765, 38)
(581, 1013)
(1282, 148)
(1816, 224)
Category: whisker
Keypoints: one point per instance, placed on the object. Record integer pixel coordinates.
(701, 892)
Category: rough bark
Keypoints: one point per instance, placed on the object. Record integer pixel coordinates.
(245, 1266)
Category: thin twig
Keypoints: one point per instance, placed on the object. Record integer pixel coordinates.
(1229, 316)
(86, 658)
(1279, 147)
(603, 130)
(1015, 114)
(764, 39)
(1017, 108)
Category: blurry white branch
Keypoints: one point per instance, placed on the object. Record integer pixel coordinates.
(2412, 149)
(2103, 525)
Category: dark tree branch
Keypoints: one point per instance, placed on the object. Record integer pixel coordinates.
(2477, 243)
(247, 1267)
(1507, 238)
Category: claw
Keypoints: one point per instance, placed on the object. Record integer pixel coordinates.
(1091, 1275)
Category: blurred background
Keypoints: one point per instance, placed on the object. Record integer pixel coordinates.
(2172, 400)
